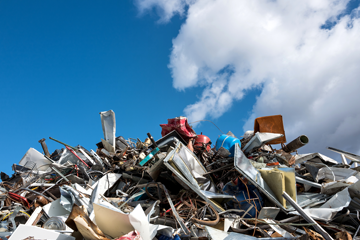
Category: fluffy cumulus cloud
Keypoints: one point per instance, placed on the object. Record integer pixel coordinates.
(305, 56)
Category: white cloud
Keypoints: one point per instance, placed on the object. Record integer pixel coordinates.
(215, 101)
(165, 8)
(308, 74)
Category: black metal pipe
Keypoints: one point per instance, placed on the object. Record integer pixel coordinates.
(152, 140)
(296, 143)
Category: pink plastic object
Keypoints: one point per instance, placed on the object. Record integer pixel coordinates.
(133, 235)
(181, 125)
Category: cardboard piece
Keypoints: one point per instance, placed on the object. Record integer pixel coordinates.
(280, 180)
(115, 223)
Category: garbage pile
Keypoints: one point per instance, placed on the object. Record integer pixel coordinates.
(182, 187)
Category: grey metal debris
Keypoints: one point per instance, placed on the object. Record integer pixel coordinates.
(178, 187)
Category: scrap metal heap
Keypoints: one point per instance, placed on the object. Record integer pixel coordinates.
(180, 187)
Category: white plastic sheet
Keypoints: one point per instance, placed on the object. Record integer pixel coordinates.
(23, 231)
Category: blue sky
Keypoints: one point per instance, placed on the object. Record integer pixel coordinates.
(62, 62)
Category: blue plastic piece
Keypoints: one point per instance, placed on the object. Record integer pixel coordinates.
(163, 237)
(141, 197)
(240, 192)
(227, 142)
(150, 156)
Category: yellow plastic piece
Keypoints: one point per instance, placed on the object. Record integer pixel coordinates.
(12, 213)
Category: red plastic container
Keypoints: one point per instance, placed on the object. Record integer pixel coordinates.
(202, 139)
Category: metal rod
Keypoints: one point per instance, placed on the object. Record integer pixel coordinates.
(177, 217)
(62, 143)
(42, 184)
(357, 231)
(152, 140)
(308, 218)
(49, 159)
(77, 156)
(304, 181)
(97, 157)
(61, 175)
(208, 121)
(343, 158)
(87, 156)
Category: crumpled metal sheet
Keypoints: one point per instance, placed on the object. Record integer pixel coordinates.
(299, 158)
(259, 139)
(109, 126)
(192, 168)
(69, 197)
(329, 209)
(33, 159)
(67, 157)
(243, 165)
(168, 162)
(334, 187)
(335, 174)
